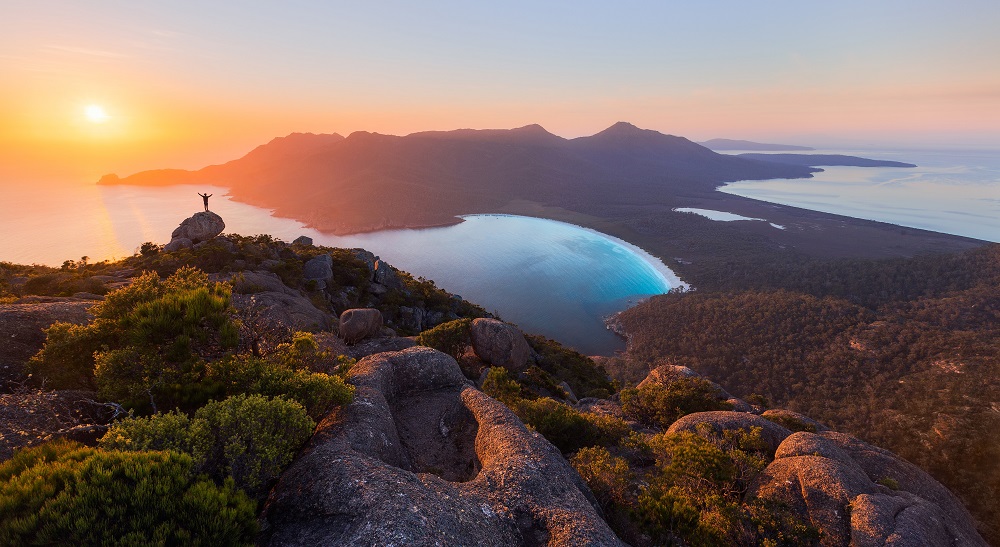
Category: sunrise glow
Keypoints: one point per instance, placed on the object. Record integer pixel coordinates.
(95, 113)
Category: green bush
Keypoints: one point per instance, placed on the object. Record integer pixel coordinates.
(581, 373)
(63, 493)
(563, 426)
(249, 439)
(694, 495)
(151, 337)
(499, 385)
(453, 337)
(315, 391)
(609, 477)
(66, 361)
(163, 431)
(661, 405)
(792, 423)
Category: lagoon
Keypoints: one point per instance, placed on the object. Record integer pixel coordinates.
(548, 277)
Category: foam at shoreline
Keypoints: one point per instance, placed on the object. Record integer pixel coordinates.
(669, 278)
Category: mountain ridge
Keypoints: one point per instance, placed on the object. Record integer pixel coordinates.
(428, 178)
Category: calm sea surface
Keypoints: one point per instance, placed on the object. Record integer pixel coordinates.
(548, 277)
(955, 191)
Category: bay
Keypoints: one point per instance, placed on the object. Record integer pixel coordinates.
(548, 277)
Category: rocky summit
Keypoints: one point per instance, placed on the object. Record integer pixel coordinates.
(198, 228)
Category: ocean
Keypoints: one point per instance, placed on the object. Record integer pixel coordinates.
(950, 191)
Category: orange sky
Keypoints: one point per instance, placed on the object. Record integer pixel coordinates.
(185, 85)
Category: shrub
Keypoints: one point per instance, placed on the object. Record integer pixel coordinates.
(64, 493)
(146, 382)
(579, 371)
(66, 361)
(888, 482)
(563, 426)
(660, 405)
(162, 330)
(164, 431)
(499, 385)
(609, 477)
(249, 438)
(453, 337)
(792, 423)
(315, 391)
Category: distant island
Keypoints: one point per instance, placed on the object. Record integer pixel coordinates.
(818, 160)
(735, 144)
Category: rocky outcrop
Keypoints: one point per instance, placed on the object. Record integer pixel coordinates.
(274, 301)
(302, 240)
(420, 457)
(199, 227)
(500, 344)
(359, 323)
(381, 273)
(382, 344)
(858, 494)
(22, 330)
(386, 275)
(318, 269)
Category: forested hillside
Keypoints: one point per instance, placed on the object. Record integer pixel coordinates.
(902, 353)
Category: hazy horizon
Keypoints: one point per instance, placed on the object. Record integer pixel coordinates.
(121, 87)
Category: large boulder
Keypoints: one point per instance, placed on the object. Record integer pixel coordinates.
(291, 310)
(199, 227)
(860, 495)
(359, 323)
(381, 344)
(420, 457)
(498, 343)
(319, 268)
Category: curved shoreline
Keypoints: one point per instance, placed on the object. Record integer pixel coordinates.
(669, 278)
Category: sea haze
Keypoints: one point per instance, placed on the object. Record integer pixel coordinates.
(950, 191)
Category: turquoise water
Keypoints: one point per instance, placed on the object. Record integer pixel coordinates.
(548, 277)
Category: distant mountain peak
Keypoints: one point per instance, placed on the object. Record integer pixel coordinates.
(533, 128)
(622, 128)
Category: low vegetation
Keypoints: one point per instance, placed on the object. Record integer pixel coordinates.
(63, 493)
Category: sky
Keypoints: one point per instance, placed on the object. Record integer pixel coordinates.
(189, 83)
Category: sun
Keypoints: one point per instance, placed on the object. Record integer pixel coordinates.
(95, 113)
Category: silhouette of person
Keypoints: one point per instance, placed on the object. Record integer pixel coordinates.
(205, 197)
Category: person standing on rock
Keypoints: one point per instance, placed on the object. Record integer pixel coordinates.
(205, 197)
